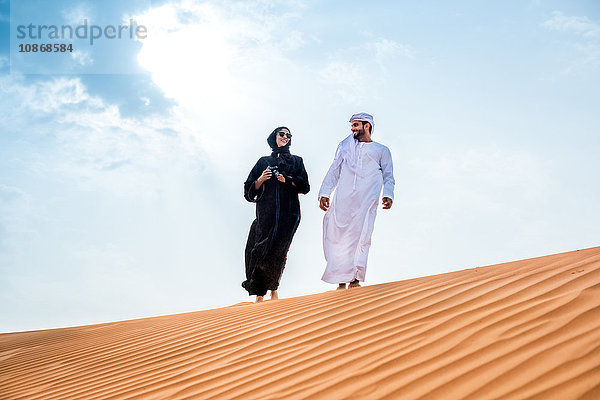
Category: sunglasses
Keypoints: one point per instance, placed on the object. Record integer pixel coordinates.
(282, 134)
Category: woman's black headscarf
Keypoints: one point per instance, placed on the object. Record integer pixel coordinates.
(272, 141)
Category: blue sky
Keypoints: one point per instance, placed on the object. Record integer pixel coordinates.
(121, 194)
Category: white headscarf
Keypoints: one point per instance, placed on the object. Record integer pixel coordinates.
(364, 117)
(348, 149)
(350, 144)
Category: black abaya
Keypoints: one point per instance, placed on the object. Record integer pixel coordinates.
(277, 218)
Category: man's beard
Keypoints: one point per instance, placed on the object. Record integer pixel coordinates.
(359, 133)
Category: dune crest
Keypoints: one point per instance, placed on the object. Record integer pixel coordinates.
(526, 329)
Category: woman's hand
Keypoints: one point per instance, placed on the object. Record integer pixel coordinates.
(266, 174)
(281, 178)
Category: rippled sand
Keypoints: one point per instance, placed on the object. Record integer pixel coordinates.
(527, 329)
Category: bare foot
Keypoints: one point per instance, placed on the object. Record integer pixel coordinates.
(353, 284)
(274, 295)
(259, 299)
(341, 286)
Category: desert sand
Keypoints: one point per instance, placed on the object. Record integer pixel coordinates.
(526, 329)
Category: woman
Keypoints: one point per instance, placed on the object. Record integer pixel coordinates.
(273, 184)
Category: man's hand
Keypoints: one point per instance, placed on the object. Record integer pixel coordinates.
(324, 203)
(281, 178)
(387, 203)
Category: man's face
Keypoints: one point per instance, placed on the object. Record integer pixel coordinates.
(357, 128)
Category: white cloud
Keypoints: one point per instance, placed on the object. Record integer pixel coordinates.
(348, 79)
(386, 48)
(76, 14)
(228, 68)
(83, 58)
(580, 25)
(189, 61)
(53, 95)
(102, 199)
(15, 205)
(206, 56)
(293, 41)
(226, 64)
(94, 137)
(488, 172)
(9, 193)
(357, 71)
(587, 33)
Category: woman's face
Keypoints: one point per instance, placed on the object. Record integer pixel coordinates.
(282, 140)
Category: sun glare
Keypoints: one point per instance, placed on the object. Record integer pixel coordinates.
(189, 60)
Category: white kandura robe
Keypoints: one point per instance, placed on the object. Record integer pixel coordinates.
(357, 173)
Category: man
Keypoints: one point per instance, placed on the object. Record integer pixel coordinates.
(359, 169)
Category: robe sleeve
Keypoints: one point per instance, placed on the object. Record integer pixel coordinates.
(333, 175)
(300, 178)
(250, 192)
(387, 169)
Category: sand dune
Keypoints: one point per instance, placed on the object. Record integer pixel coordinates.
(527, 329)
